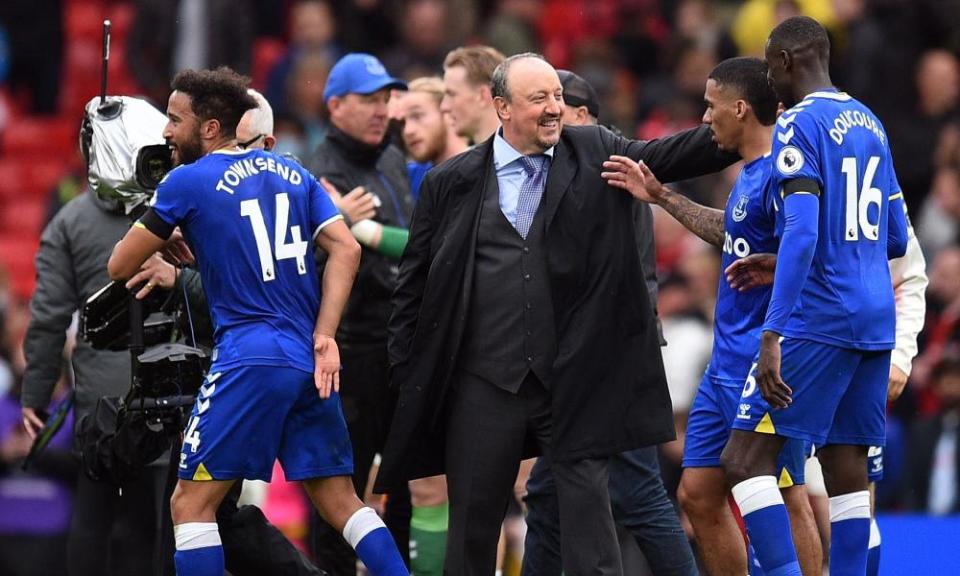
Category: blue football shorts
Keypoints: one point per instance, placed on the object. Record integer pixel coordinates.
(246, 417)
(708, 429)
(839, 395)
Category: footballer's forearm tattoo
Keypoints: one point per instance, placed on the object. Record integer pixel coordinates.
(707, 223)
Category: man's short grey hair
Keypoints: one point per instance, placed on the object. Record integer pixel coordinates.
(261, 117)
(498, 83)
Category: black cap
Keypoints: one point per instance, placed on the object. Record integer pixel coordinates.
(579, 92)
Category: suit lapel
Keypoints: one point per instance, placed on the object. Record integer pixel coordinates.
(563, 169)
(472, 201)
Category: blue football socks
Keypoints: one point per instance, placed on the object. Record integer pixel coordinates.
(368, 535)
(849, 533)
(199, 551)
(768, 525)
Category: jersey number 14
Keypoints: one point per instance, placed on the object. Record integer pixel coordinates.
(297, 248)
(858, 205)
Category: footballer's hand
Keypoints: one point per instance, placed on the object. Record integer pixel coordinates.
(356, 205)
(32, 422)
(635, 178)
(176, 251)
(772, 387)
(896, 384)
(155, 272)
(751, 272)
(326, 371)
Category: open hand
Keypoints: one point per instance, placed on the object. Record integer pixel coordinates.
(356, 205)
(326, 371)
(751, 272)
(635, 178)
(156, 271)
(772, 387)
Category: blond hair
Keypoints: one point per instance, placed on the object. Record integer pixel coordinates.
(431, 85)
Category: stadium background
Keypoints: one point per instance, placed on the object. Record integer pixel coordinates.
(647, 58)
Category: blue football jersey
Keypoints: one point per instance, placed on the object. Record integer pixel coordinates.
(251, 219)
(847, 298)
(749, 222)
(415, 172)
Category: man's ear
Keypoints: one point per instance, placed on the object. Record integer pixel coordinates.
(786, 59)
(502, 108)
(210, 129)
(742, 107)
(333, 104)
(583, 115)
(269, 142)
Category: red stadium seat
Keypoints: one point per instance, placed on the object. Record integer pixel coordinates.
(40, 137)
(266, 52)
(17, 257)
(24, 218)
(83, 20)
(121, 16)
(23, 180)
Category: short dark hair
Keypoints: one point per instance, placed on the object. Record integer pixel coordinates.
(219, 94)
(801, 33)
(748, 76)
(498, 83)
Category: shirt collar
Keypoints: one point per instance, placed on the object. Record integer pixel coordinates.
(504, 153)
(830, 93)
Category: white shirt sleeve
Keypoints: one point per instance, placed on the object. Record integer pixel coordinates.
(909, 288)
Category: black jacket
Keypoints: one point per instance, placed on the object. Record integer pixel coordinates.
(347, 163)
(609, 391)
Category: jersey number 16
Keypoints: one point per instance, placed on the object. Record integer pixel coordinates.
(858, 208)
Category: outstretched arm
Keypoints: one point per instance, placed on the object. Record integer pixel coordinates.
(687, 154)
(637, 179)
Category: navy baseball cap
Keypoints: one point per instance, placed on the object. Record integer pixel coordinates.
(359, 73)
(578, 92)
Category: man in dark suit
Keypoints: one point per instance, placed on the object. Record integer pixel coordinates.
(522, 324)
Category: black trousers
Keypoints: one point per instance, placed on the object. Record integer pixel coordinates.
(113, 532)
(368, 404)
(486, 433)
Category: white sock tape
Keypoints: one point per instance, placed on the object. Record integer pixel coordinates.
(363, 522)
(193, 535)
(850, 506)
(756, 493)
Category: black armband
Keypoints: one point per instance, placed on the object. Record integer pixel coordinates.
(156, 225)
(807, 185)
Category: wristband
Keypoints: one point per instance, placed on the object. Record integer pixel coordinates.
(365, 231)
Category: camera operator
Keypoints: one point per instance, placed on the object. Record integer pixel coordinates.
(112, 531)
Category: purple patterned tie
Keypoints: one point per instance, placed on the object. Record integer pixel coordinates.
(530, 192)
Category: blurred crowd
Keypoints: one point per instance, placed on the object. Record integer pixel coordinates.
(647, 60)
